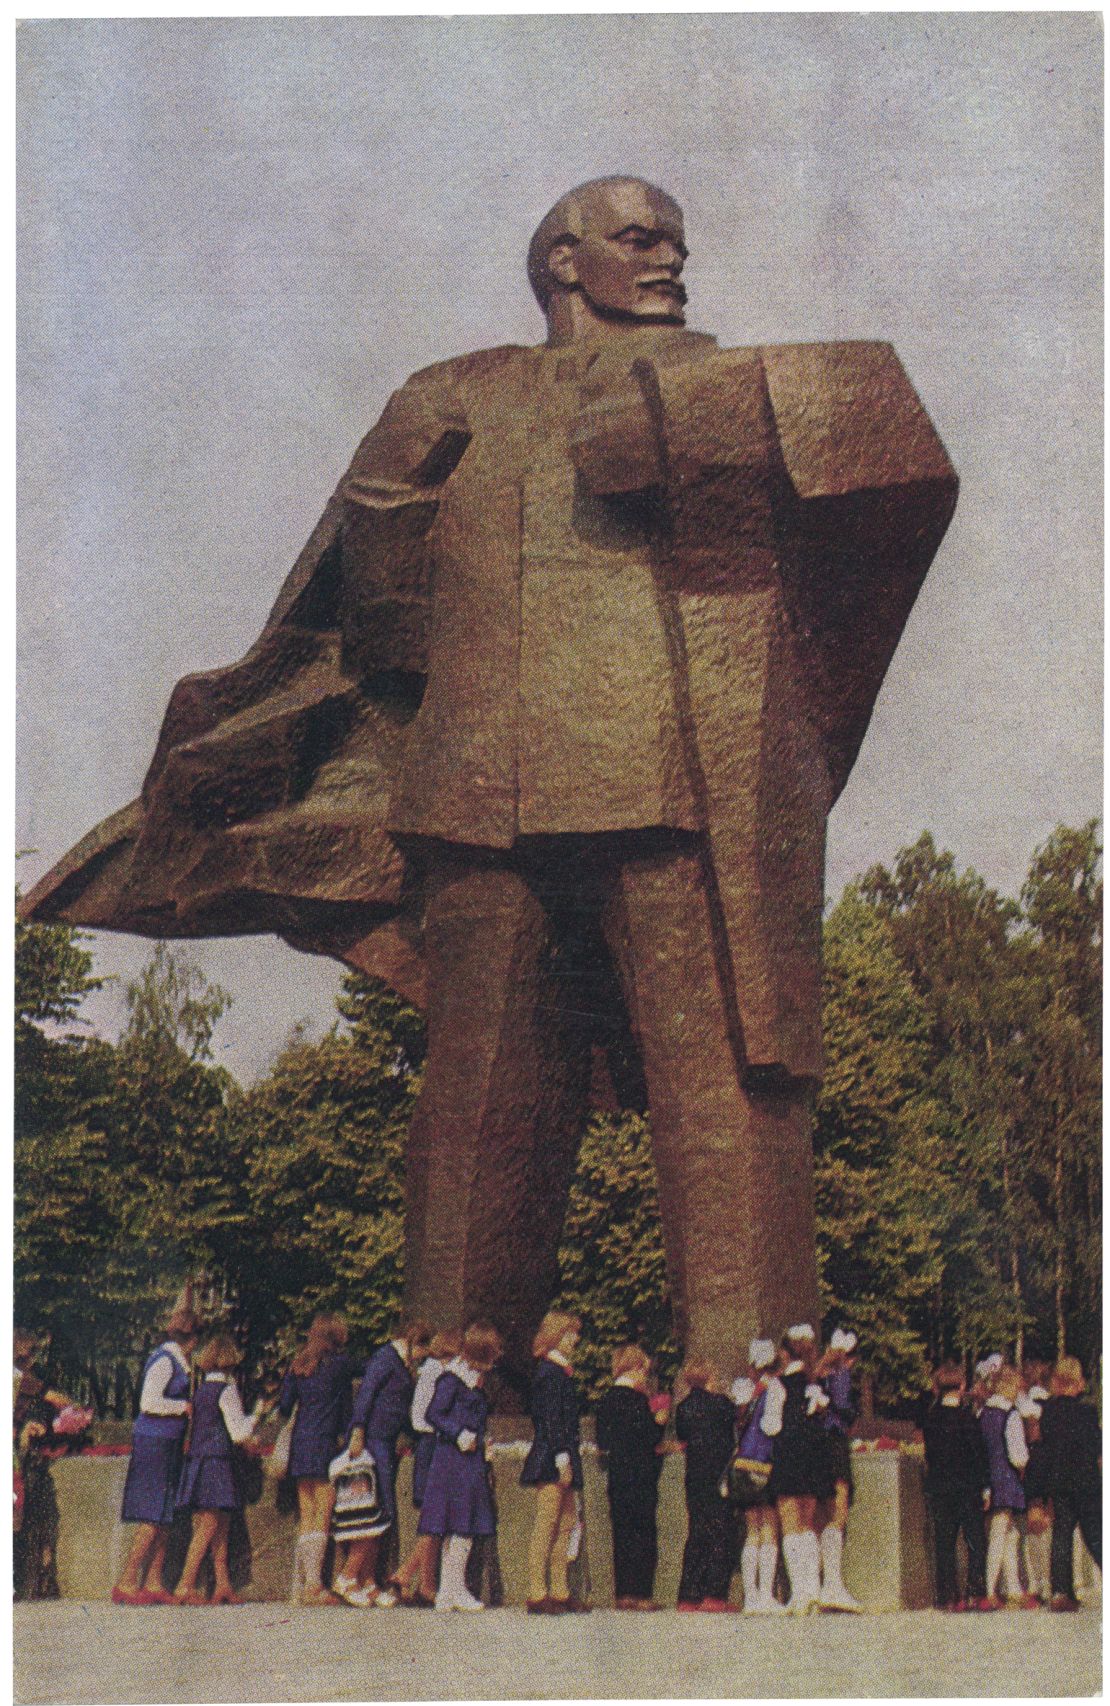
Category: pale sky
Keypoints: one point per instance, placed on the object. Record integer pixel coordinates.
(239, 235)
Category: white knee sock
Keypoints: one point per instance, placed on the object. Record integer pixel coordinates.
(768, 1564)
(813, 1564)
(1038, 1561)
(1011, 1574)
(749, 1571)
(312, 1548)
(832, 1547)
(803, 1567)
(453, 1593)
(996, 1546)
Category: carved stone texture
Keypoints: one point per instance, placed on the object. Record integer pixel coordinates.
(544, 729)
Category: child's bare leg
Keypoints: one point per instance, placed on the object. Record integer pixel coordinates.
(362, 1558)
(205, 1524)
(145, 1536)
(220, 1552)
(157, 1562)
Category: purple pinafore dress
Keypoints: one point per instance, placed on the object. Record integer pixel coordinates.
(1007, 1493)
(150, 1491)
(208, 1479)
(456, 1495)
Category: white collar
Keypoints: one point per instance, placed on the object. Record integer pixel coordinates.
(626, 1380)
(794, 1367)
(557, 1356)
(173, 1349)
(402, 1350)
(218, 1374)
(950, 1400)
(997, 1401)
(469, 1376)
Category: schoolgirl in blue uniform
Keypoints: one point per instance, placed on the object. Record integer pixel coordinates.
(554, 1463)
(1007, 1455)
(458, 1505)
(209, 1485)
(157, 1438)
(318, 1386)
(835, 1373)
(421, 1567)
(759, 1556)
(800, 1469)
(382, 1410)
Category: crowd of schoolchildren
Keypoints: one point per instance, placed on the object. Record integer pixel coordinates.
(1013, 1463)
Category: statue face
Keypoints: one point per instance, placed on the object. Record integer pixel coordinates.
(628, 260)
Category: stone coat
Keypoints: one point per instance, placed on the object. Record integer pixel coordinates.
(559, 591)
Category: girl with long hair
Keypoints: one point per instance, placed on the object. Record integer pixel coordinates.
(317, 1385)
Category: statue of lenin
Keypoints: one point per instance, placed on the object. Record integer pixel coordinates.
(544, 729)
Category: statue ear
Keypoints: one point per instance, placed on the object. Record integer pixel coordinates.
(561, 263)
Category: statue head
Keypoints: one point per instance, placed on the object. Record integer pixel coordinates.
(609, 253)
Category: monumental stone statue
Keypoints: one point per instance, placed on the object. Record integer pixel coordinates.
(544, 730)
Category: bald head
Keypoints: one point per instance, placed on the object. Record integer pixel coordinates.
(616, 242)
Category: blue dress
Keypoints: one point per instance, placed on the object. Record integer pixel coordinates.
(208, 1479)
(382, 1409)
(1007, 1493)
(323, 1400)
(150, 1491)
(457, 1498)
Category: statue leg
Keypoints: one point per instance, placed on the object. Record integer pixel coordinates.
(735, 1165)
(493, 1140)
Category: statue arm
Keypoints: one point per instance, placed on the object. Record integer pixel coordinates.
(416, 444)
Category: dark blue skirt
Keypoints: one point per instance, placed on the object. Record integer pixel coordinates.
(310, 1453)
(421, 1463)
(456, 1495)
(381, 1450)
(209, 1484)
(150, 1491)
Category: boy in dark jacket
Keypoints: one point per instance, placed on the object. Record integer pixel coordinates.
(705, 1423)
(1072, 1442)
(957, 1477)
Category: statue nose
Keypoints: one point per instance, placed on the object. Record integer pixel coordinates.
(671, 257)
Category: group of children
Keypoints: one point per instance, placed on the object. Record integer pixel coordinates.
(1015, 1458)
(770, 1456)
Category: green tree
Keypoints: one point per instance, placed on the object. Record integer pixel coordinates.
(611, 1258)
(321, 1143)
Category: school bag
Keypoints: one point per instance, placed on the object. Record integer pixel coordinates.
(357, 1514)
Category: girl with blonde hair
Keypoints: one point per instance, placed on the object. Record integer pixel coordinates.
(554, 1463)
(1007, 1455)
(209, 1485)
(154, 1469)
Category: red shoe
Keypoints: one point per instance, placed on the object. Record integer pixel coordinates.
(158, 1596)
(227, 1597)
(1024, 1602)
(989, 1604)
(715, 1605)
(129, 1596)
(689, 1605)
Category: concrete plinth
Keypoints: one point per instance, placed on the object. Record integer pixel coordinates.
(886, 1562)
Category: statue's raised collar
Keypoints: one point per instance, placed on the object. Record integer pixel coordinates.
(664, 342)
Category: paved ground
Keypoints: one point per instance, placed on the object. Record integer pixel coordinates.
(68, 1651)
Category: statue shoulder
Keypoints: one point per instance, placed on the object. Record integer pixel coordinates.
(465, 369)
